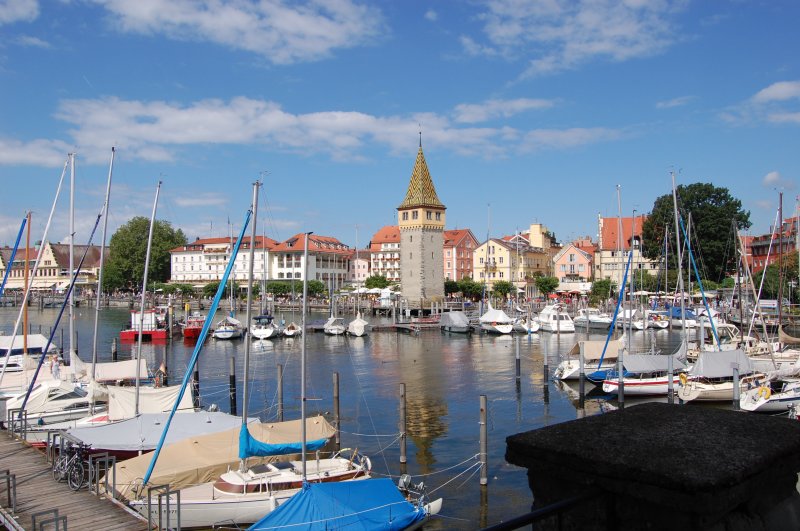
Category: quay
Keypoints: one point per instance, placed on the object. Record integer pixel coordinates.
(43, 503)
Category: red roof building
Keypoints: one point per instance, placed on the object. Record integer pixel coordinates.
(459, 244)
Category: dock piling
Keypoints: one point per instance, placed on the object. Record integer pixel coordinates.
(517, 361)
(403, 423)
(736, 386)
(280, 392)
(196, 387)
(336, 418)
(232, 386)
(114, 349)
(484, 450)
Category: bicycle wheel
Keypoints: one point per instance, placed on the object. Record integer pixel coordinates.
(76, 475)
(58, 469)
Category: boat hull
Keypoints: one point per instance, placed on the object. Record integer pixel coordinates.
(642, 386)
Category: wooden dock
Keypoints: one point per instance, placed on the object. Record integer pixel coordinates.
(37, 492)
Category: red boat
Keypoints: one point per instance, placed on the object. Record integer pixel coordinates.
(154, 326)
(193, 325)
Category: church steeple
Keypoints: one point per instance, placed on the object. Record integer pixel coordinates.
(421, 191)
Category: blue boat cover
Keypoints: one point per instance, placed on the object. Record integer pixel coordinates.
(353, 505)
(675, 312)
(252, 447)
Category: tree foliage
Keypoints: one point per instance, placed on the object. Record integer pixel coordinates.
(502, 288)
(450, 287)
(601, 290)
(771, 278)
(470, 289)
(128, 249)
(713, 211)
(546, 285)
(376, 281)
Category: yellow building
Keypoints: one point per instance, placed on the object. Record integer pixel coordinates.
(511, 259)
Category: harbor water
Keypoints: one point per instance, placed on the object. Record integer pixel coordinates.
(444, 374)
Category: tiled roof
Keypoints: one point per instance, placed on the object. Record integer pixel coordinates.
(200, 243)
(421, 192)
(455, 237)
(387, 234)
(608, 236)
(5, 254)
(316, 244)
(61, 254)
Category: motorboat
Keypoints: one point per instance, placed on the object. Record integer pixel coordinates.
(264, 327)
(192, 325)
(54, 401)
(228, 328)
(554, 318)
(593, 319)
(524, 325)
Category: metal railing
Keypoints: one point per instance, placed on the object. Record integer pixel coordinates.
(40, 521)
(108, 464)
(161, 492)
(11, 488)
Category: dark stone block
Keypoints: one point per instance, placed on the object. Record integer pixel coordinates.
(667, 467)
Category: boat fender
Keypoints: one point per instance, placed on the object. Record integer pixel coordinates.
(366, 464)
(764, 391)
(684, 380)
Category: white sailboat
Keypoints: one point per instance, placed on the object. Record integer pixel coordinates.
(358, 327)
(496, 321)
(228, 328)
(264, 327)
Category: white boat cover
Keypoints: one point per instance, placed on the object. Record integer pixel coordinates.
(593, 349)
(200, 459)
(143, 432)
(454, 319)
(718, 364)
(230, 320)
(122, 400)
(36, 344)
(646, 363)
(493, 315)
(108, 372)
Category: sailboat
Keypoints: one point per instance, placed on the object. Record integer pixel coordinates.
(334, 326)
(359, 326)
(496, 321)
(264, 327)
(229, 327)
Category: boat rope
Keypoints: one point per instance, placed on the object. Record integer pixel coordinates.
(397, 434)
(700, 283)
(474, 468)
(616, 309)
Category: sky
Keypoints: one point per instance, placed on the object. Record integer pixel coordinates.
(529, 112)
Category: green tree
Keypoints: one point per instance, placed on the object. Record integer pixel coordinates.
(376, 281)
(713, 212)
(502, 288)
(210, 289)
(128, 249)
(470, 289)
(546, 285)
(789, 279)
(316, 288)
(450, 287)
(601, 290)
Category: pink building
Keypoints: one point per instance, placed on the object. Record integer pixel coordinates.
(459, 245)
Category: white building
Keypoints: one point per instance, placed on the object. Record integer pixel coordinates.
(204, 260)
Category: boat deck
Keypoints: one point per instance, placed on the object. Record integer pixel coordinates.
(37, 492)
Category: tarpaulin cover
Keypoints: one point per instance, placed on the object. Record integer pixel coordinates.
(353, 505)
(110, 371)
(454, 319)
(493, 315)
(251, 447)
(718, 364)
(122, 401)
(203, 458)
(646, 363)
(593, 349)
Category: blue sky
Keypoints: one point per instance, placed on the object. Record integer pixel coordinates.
(529, 111)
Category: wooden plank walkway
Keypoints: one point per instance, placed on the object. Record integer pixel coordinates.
(37, 491)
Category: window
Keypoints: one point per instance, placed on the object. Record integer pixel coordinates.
(410, 239)
(428, 214)
(563, 267)
(448, 265)
(571, 257)
(438, 216)
(415, 215)
(501, 259)
(405, 216)
(481, 261)
(448, 254)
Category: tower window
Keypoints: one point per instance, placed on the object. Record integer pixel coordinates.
(405, 216)
(438, 216)
(415, 215)
(428, 214)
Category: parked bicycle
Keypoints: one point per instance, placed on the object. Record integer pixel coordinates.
(71, 466)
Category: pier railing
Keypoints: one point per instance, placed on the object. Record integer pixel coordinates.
(556, 511)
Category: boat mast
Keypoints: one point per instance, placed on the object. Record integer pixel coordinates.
(248, 310)
(100, 272)
(780, 260)
(25, 306)
(303, 355)
(680, 259)
(71, 305)
(144, 294)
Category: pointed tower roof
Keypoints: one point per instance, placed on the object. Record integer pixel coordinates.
(421, 191)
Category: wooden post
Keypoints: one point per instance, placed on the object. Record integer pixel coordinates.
(336, 418)
(517, 362)
(581, 377)
(736, 386)
(671, 377)
(280, 392)
(114, 349)
(484, 445)
(232, 385)
(403, 423)
(546, 378)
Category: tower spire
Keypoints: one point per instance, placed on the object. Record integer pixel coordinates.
(420, 136)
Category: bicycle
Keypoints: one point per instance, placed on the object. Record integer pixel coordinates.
(72, 468)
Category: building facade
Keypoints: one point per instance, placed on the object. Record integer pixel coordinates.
(384, 253)
(53, 272)
(204, 260)
(421, 218)
(459, 244)
(765, 249)
(611, 258)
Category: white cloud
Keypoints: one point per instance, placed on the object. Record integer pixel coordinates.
(558, 35)
(201, 200)
(281, 31)
(675, 102)
(40, 152)
(18, 11)
(780, 91)
(774, 180)
(431, 15)
(159, 131)
(473, 113)
(32, 42)
(539, 139)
